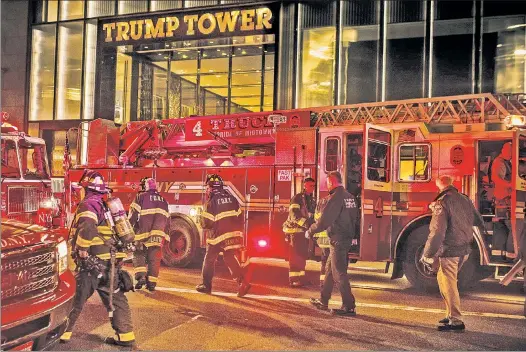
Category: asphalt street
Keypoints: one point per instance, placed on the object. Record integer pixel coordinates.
(273, 316)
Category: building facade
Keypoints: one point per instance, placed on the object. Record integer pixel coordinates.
(162, 59)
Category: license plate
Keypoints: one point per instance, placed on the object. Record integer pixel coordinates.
(24, 347)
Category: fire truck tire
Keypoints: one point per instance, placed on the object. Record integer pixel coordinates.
(413, 269)
(182, 249)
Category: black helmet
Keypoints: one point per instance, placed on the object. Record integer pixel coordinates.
(214, 181)
(94, 181)
(148, 183)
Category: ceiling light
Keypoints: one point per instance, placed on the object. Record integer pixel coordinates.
(167, 45)
(185, 56)
(211, 42)
(223, 53)
(218, 49)
(146, 47)
(520, 52)
(166, 57)
(204, 55)
(243, 52)
(210, 70)
(159, 54)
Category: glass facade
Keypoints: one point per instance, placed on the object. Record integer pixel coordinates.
(344, 52)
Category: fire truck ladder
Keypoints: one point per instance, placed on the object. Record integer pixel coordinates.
(460, 109)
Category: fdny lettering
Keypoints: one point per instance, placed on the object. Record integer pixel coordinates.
(350, 203)
(156, 198)
(226, 200)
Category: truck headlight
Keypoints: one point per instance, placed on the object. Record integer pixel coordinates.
(62, 255)
(515, 121)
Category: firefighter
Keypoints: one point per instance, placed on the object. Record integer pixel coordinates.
(448, 246)
(338, 217)
(150, 218)
(301, 216)
(90, 247)
(223, 220)
(501, 177)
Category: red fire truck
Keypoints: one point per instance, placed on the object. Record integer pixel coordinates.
(37, 287)
(390, 153)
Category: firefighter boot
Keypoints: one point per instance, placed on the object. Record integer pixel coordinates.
(113, 341)
(203, 288)
(243, 289)
(151, 286)
(65, 337)
(140, 283)
(344, 312)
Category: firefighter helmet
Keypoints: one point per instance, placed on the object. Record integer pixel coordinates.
(214, 181)
(93, 181)
(148, 183)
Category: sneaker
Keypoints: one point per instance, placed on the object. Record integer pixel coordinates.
(243, 289)
(450, 327)
(319, 304)
(203, 288)
(344, 312)
(444, 321)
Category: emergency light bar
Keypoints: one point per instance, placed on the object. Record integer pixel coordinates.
(515, 121)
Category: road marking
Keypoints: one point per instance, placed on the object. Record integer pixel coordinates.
(366, 305)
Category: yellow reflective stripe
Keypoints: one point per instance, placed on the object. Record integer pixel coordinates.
(235, 246)
(81, 242)
(66, 336)
(167, 237)
(321, 234)
(142, 236)
(104, 230)
(224, 237)
(97, 241)
(227, 214)
(139, 269)
(151, 244)
(157, 233)
(296, 273)
(301, 221)
(294, 206)
(155, 211)
(208, 216)
(152, 279)
(322, 277)
(135, 207)
(317, 216)
(295, 230)
(86, 214)
(127, 337)
(106, 256)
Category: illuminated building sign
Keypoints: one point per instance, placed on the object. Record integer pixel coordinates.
(187, 26)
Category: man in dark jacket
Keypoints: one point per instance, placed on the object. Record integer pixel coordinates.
(338, 218)
(222, 217)
(150, 218)
(449, 244)
(90, 236)
(301, 216)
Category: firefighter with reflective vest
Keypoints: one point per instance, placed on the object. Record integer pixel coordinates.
(222, 218)
(91, 248)
(501, 178)
(322, 240)
(150, 218)
(301, 216)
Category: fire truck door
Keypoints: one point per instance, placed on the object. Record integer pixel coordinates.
(377, 194)
(518, 200)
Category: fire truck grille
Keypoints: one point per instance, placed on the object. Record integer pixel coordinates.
(30, 274)
(22, 200)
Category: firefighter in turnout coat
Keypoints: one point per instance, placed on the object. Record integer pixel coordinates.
(150, 218)
(301, 216)
(89, 233)
(222, 217)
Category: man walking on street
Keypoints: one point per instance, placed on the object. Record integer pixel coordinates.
(338, 217)
(222, 217)
(301, 214)
(449, 244)
(150, 218)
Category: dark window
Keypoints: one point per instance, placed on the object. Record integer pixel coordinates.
(332, 152)
(378, 155)
(449, 9)
(503, 8)
(406, 11)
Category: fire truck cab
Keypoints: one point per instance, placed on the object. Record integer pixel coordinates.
(389, 154)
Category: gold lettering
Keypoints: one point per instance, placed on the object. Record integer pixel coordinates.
(201, 24)
(122, 31)
(136, 29)
(108, 27)
(227, 19)
(172, 23)
(247, 20)
(190, 21)
(263, 18)
(156, 31)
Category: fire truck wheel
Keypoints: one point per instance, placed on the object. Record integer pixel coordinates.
(415, 271)
(183, 245)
